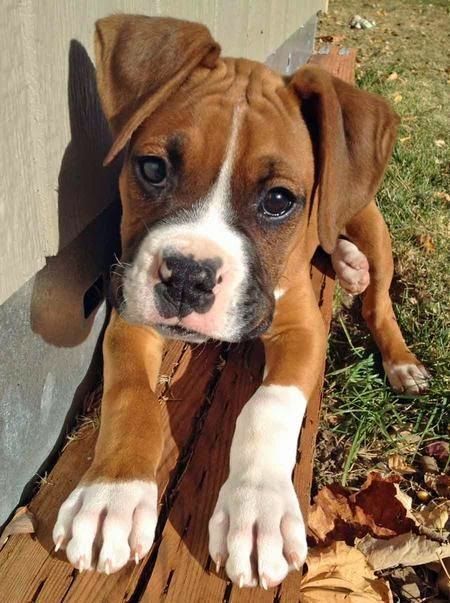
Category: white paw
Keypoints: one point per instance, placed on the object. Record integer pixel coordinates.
(351, 267)
(114, 521)
(407, 378)
(258, 528)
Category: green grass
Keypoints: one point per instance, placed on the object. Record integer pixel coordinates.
(361, 413)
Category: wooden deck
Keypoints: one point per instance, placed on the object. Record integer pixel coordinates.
(202, 391)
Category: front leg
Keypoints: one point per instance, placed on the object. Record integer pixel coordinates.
(114, 508)
(257, 525)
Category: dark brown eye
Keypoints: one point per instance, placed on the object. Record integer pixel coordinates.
(152, 169)
(277, 202)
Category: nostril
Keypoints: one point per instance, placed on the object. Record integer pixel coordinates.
(164, 272)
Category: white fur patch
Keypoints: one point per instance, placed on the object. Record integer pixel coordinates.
(278, 293)
(407, 378)
(126, 513)
(259, 492)
(203, 231)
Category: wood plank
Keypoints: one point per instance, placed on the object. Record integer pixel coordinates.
(338, 61)
(28, 568)
(182, 568)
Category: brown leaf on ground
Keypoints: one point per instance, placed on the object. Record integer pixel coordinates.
(428, 464)
(409, 583)
(425, 241)
(392, 77)
(379, 508)
(443, 581)
(397, 463)
(435, 515)
(439, 483)
(340, 573)
(332, 39)
(438, 450)
(405, 549)
(23, 522)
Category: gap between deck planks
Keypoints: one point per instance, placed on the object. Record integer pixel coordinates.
(201, 393)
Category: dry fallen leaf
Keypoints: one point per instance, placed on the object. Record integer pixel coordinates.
(397, 462)
(392, 77)
(443, 581)
(426, 243)
(439, 449)
(428, 464)
(439, 483)
(22, 523)
(435, 515)
(379, 508)
(405, 549)
(332, 39)
(340, 573)
(408, 442)
(439, 143)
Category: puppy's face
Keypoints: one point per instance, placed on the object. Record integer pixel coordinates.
(214, 189)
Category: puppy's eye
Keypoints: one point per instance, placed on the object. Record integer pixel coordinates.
(152, 169)
(277, 202)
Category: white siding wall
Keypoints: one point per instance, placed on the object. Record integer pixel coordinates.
(34, 108)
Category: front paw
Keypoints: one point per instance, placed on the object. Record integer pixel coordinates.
(257, 526)
(117, 519)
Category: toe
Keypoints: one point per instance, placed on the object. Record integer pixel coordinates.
(294, 537)
(218, 530)
(79, 548)
(239, 565)
(143, 531)
(115, 551)
(62, 532)
(272, 565)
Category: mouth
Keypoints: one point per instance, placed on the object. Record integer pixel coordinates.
(179, 332)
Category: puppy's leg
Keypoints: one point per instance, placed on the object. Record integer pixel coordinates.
(351, 267)
(257, 526)
(114, 508)
(369, 232)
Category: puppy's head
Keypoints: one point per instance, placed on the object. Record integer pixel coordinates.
(227, 169)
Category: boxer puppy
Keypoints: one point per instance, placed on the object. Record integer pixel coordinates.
(232, 177)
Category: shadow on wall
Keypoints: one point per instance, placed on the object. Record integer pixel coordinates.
(70, 287)
(51, 324)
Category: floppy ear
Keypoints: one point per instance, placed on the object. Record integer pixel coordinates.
(140, 62)
(353, 133)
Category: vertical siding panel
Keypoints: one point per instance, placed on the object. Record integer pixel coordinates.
(256, 27)
(34, 107)
(22, 223)
(231, 19)
(277, 32)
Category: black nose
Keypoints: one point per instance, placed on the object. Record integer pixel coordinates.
(186, 285)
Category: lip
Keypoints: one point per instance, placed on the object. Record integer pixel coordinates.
(179, 332)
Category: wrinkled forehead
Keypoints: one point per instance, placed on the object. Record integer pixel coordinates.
(239, 99)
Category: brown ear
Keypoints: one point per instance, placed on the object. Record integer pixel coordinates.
(140, 62)
(353, 133)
